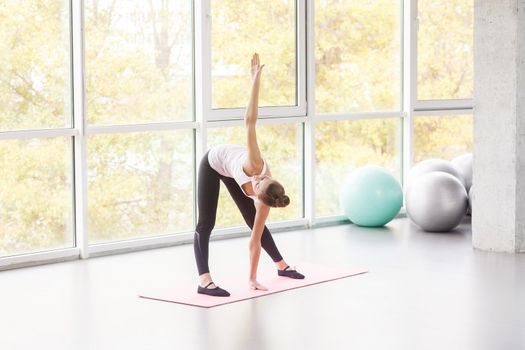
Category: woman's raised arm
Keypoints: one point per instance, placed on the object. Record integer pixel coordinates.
(250, 117)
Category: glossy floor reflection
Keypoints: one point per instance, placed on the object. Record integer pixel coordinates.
(424, 291)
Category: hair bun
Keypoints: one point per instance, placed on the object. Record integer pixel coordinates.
(282, 201)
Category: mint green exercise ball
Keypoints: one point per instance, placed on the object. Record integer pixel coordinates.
(371, 196)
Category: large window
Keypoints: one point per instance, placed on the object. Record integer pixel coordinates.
(343, 146)
(357, 55)
(445, 45)
(139, 70)
(34, 65)
(240, 28)
(140, 184)
(358, 70)
(444, 137)
(138, 61)
(443, 122)
(36, 197)
(105, 106)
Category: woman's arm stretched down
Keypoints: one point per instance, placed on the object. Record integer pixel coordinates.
(255, 243)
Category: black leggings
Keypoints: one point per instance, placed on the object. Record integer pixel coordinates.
(207, 200)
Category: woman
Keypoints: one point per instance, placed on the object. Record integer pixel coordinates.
(249, 181)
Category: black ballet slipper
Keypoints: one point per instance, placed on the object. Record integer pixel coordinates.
(214, 292)
(287, 272)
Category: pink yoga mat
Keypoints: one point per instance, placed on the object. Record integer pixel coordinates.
(239, 290)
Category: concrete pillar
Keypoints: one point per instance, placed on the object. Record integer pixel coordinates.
(498, 213)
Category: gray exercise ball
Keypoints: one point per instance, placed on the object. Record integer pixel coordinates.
(434, 164)
(464, 165)
(470, 198)
(436, 201)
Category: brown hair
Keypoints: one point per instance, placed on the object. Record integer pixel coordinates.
(274, 195)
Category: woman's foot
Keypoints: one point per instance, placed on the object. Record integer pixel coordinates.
(287, 272)
(212, 290)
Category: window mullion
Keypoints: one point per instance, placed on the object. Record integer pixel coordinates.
(79, 122)
(410, 24)
(309, 130)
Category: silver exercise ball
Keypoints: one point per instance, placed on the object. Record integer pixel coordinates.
(434, 164)
(436, 201)
(470, 198)
(464, 165)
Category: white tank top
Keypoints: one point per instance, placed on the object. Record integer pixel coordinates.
(228, 160)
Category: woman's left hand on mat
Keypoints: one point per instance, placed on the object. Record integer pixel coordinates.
(257, 286)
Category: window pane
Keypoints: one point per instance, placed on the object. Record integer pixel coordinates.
(240, 28)
(138, 61)
(357, 55)
(35, 195)
(444, 137)
(282, 147)
(140, 184)
(343, 146)
(34, 64)
(445, 56)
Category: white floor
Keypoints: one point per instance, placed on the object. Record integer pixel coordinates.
(424, 291)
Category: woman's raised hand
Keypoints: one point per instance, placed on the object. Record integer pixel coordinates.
(256, 67)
